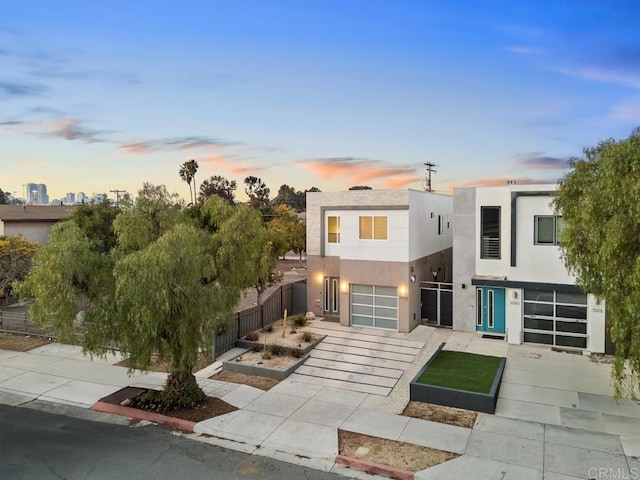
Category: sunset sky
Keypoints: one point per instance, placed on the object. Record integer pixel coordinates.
(97, 96)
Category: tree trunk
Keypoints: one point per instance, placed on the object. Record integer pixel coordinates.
(181, 390)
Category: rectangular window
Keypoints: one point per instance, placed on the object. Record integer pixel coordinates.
(439, 224)
(373, 228)
(490, 232)
(333, 229)
(547, 229)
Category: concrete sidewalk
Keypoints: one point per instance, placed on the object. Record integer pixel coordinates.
(298, 421)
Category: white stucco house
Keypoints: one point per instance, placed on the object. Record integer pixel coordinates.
(508, 275)
(369, 250)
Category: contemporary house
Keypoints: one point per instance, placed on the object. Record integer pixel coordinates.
(508, 275)
(369, 250)
(33, 222)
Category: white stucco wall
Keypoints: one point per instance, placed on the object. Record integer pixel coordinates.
(394, 249)
(595, 324)
(360, 198)
(513, 312)
(534, 263)
(424, 239)
(412, 233)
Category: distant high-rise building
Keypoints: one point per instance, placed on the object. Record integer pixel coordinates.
(42, 194)
(32, 193)
(37, 194)
(81, 197)
(70, 198)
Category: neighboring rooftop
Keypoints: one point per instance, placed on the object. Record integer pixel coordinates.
(35, 213)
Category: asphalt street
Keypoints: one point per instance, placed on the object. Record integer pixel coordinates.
(41, 446)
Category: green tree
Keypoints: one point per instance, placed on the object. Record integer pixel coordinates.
(360, 187)
(166, 293)
(257, 191)
(153, 214)
(218, 185)
(187, 173)
(598, 201)
(16, 254)
(95, 219)
(304, 197)
(288, 231)
(289, 196)
(4, 197)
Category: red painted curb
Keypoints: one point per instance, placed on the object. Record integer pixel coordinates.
(137, 414)
(370, 467)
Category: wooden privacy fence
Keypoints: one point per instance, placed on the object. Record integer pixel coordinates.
(286, 296)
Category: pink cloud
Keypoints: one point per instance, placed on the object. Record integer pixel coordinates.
(359, 170)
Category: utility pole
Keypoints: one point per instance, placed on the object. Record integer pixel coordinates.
(427, 178)
(117, 192)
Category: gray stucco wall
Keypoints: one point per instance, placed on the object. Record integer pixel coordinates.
(464, 262)
(32, 231)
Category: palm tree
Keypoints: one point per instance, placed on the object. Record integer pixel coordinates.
(188, 174)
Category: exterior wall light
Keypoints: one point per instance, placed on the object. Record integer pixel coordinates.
(344, 287)
(402, 291)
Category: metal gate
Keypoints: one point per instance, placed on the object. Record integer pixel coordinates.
(437, 303)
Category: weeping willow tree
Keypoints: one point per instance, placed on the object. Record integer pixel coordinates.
(165, 289)
(599, 203)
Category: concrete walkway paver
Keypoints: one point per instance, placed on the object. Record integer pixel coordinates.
(469, 466)
(436, 435)
(322, 413)
(506, 449)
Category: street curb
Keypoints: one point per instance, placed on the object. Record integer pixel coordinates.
(370, 467)
(137, 414)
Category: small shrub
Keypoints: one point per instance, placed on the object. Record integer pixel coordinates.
(268, 328)
(297, 353)
(307, 336)
(252, 336)
(275, 349)
(266, 354)
(299, 319)
(256, 348)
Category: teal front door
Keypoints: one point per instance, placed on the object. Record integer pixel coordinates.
(490, 316)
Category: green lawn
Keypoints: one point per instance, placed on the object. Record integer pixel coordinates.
(463, 371)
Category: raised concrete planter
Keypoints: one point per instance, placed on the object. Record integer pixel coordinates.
(451, 397)
(242, 343)
(275, 373)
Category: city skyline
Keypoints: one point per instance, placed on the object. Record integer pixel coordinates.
(99, 97)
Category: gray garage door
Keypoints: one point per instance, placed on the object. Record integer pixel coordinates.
(374, 306)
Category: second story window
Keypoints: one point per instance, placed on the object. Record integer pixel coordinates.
(373, 228)
(490, 232)
(547, 229)
(333, 229)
